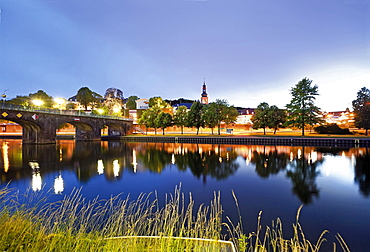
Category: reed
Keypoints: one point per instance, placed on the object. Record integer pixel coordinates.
(122, 224)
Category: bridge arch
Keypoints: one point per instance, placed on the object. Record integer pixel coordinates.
(30, 130)
(84, 130)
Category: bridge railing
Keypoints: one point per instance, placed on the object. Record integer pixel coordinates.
(59, 111)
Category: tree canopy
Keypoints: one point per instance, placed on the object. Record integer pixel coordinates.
(260, 119)
(45, 100)
(180, 117)
(301, 109)
(361, 109)
(158, 102)
(86, 97)
(224, 113)
(195, 116)
(131, 102)
(268, 117)
(163, 120)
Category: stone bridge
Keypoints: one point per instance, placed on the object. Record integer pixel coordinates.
(40, 126)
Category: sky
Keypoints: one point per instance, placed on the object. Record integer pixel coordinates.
(247, 51)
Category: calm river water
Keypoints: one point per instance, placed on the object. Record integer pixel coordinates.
(333, 184)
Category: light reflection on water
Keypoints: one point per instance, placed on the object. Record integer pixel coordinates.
(332, 183)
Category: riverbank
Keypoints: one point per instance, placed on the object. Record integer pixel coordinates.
(140, 225)
(289, 140)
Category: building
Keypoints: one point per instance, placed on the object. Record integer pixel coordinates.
(245, 115)
(142, 104)
(342, 118)
(204, 95)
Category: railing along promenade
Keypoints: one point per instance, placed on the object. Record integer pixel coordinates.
(255, 140)
(59, 112)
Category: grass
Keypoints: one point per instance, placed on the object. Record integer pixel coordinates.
(116, 224)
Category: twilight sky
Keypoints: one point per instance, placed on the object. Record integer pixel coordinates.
(248, 51)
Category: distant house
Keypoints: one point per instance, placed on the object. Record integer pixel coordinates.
(187, 105)
(339, 117)
(245, 115)
(142, 103)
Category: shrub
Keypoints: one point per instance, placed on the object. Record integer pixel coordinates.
(332, 129)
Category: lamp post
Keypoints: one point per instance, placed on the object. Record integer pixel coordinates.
(4, 96)
(37, 103)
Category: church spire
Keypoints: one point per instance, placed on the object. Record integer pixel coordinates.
(204, 96)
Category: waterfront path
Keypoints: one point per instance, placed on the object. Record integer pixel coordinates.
(289, 140)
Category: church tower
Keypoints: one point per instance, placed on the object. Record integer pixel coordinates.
(204, 96)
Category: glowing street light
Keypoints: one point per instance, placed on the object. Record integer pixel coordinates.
(116, 110)
(37, 102)
(4, 96)
(60, 103)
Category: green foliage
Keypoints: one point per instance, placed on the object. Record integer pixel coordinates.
(20, 100)
(47, 100)
(195, 116)
(70, 105)
(260, 118)
(42, 96)
(301, 109)
(131, 102)
(268, 117)
(230, 114)
(332, 129)
(277, 118)
(180, 117)
(361, 109)
(158, 102)
(87, 97)
(163, 120)
(117, 224)
(148, 118)
(210, 116)
(223, 113)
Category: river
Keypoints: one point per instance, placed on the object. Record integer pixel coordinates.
(333, 184)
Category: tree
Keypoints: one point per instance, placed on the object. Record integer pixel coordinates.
(113, 100)
(47, 100)
(277, 118)
(301, 109)
(230, 114)
(163, 120)
(148, 118)
(20, 100)
(260, 119)
(224, 113)
(158, 102)
(180, 117)
(210, 116)
(361, 109)
(131, 102)
(86, 97)
(195, 116)
(70, 105)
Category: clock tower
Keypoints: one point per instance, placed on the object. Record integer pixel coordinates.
(204, 96)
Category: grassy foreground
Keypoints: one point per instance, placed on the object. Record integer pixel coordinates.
(116, 224)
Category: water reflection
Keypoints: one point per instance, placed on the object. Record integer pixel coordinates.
(362, 172)
(110, 159)
(5, 148)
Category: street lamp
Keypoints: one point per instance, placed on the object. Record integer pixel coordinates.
(60, 103)
(4, 96)
(116, 110)
(37, 102)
